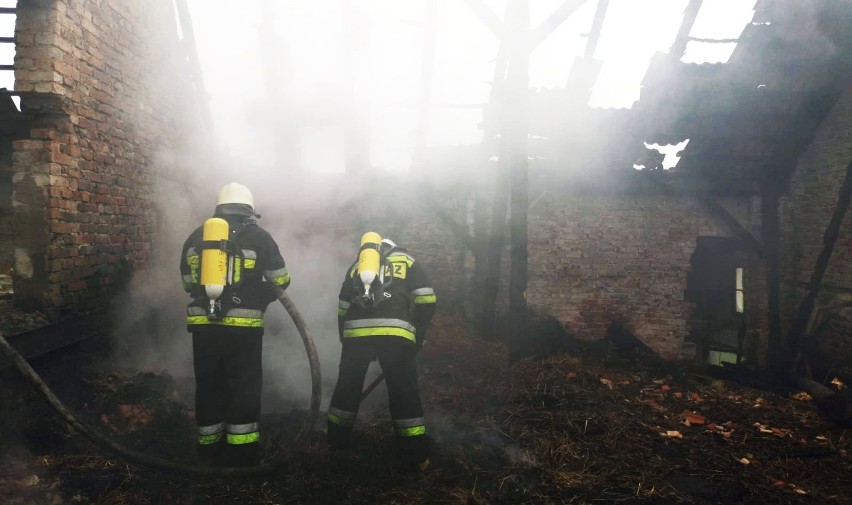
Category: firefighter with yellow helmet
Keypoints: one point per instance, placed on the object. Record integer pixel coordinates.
(233, 270)
(386, 304)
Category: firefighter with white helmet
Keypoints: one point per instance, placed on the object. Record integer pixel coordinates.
(232, 268)
(386, 304)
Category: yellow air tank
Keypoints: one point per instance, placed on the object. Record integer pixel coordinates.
(369, 260)
(214, 262)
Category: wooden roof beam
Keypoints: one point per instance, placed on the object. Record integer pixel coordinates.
(553, 22)
(595, 32)
(484, 13)
(689, 16)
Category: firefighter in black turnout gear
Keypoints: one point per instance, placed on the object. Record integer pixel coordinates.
(385, 307)
(232, 269)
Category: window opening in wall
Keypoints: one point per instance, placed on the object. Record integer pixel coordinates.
(740, 294)
(715, 285)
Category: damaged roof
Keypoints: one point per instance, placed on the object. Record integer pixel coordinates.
(747, 120)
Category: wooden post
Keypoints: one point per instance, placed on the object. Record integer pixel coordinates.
(510, 98)
(771, 238)
(277, 75)
(426, 64)
(515, 128)
(490, 241)
(356, 136)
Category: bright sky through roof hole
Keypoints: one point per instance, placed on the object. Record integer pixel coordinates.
(387, 47)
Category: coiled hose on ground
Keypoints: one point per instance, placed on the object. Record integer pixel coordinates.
(110, 445)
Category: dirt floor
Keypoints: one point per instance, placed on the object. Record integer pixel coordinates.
(580, 427)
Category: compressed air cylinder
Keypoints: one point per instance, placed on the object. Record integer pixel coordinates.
(369, 259)
(214, 262)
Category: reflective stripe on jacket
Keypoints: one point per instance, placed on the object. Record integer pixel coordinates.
(408, 301)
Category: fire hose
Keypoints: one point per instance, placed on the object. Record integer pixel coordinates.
(373, 385)
(110, 445)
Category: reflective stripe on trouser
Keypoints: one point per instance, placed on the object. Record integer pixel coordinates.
(409, 427)
(239, 434)
(406, 410)
(344, 418)
(379, 326)
(228, 378)
(210, 434)
(396, 358)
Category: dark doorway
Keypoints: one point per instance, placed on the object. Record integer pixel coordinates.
(716, 284)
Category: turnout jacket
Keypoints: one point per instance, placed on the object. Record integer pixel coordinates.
(257, 268)
(406, 304)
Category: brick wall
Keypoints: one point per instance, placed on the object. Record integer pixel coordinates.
(806, 213)
(594, 258)
(598, 259)
(101, 83)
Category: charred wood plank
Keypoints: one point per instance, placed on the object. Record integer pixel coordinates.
(833, 404)
(52, 337)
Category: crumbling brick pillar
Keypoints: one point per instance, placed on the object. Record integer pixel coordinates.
(101, 83)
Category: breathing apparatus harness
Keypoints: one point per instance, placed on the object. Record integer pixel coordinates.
(369, 278)
(219, 253)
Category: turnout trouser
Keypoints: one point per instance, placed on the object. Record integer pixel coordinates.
(396, 358)
(228, 379)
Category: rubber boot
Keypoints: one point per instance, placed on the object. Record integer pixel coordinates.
(414, 453)
(338, 437)
(243, 455)
(210, 454)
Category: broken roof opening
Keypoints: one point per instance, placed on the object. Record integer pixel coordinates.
(665, 156)
(708, 52)
(385, 67)
(627, 45)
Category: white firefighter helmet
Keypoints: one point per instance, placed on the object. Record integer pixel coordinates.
(235, 193)
(387, 245)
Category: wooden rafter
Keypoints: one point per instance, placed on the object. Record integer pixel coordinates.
(553, 22)
(595, 32)
(427, 63)
(486, 15)
(733, 224)
(689, 16)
